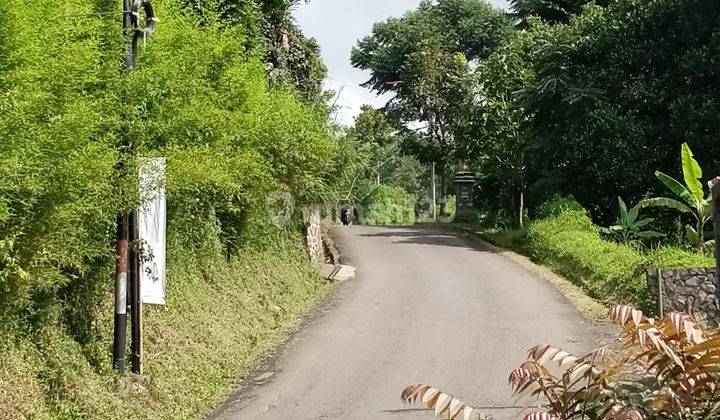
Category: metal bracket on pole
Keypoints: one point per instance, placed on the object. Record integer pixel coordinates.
(150, 18)
(131, 24)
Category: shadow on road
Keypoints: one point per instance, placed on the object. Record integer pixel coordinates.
(425, 235)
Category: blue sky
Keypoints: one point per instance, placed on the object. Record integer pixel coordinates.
(337, 25)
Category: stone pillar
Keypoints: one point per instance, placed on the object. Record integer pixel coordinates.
(313, 235)
(464, 207)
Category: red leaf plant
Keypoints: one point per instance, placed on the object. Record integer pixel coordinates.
(663, 369)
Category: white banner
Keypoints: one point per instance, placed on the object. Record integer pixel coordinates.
(152, 231)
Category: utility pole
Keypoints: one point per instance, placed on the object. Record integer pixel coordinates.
(434, 193)
(123, 228)
(715, 194)
(127, 261)
(135, 300)
(121, 268)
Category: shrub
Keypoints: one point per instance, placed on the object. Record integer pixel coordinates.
(450, 206)
(666, 369)
(389, 206)
(199, 97)
(571, 244)
(674, 257)
(495, 219)
(67, 111)
(556, 206)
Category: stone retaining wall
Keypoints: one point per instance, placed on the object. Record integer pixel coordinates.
(689, 290)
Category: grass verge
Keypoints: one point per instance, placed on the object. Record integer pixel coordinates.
(221, 319)
(592, 272)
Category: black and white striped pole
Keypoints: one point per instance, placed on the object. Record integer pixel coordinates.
(126, 265)
(121, 269)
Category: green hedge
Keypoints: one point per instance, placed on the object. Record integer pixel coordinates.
(673, 257)
(571, 245)
(556, 206)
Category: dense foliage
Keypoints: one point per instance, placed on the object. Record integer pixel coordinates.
(614, 95)
(201, 97)
(550, 11)
(291, 58)
(389, 206)
(424, 58)
(583, 99)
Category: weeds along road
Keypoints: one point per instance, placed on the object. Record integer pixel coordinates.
(427, 306)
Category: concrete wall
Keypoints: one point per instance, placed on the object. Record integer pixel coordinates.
(689, 290)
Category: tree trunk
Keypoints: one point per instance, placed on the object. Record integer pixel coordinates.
(443, 191)
(521, 208)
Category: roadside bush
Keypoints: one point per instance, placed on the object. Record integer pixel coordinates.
(495, 219)
(389, 206)
(557, 205)
(571, 245)
(450, 205)
(667, 369)
(200, 98)
(674, 257)
(611, 272)
(58, 150)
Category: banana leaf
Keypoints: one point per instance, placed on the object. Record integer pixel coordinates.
(692, 173)
(675, 187)
(642, 223)
(665, 202)
(648, 234)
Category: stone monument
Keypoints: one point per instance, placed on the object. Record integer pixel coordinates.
(464, 208)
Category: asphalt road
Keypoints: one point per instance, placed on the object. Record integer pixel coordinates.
(427, 306)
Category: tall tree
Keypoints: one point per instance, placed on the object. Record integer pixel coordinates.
(387, 164)
(293, 58)
(496, 133)
(424, 59)
(550, 11)
(618, 90)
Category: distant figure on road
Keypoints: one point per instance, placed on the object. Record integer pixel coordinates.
(346, 214)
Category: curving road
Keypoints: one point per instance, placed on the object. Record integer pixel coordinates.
(427, 306)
